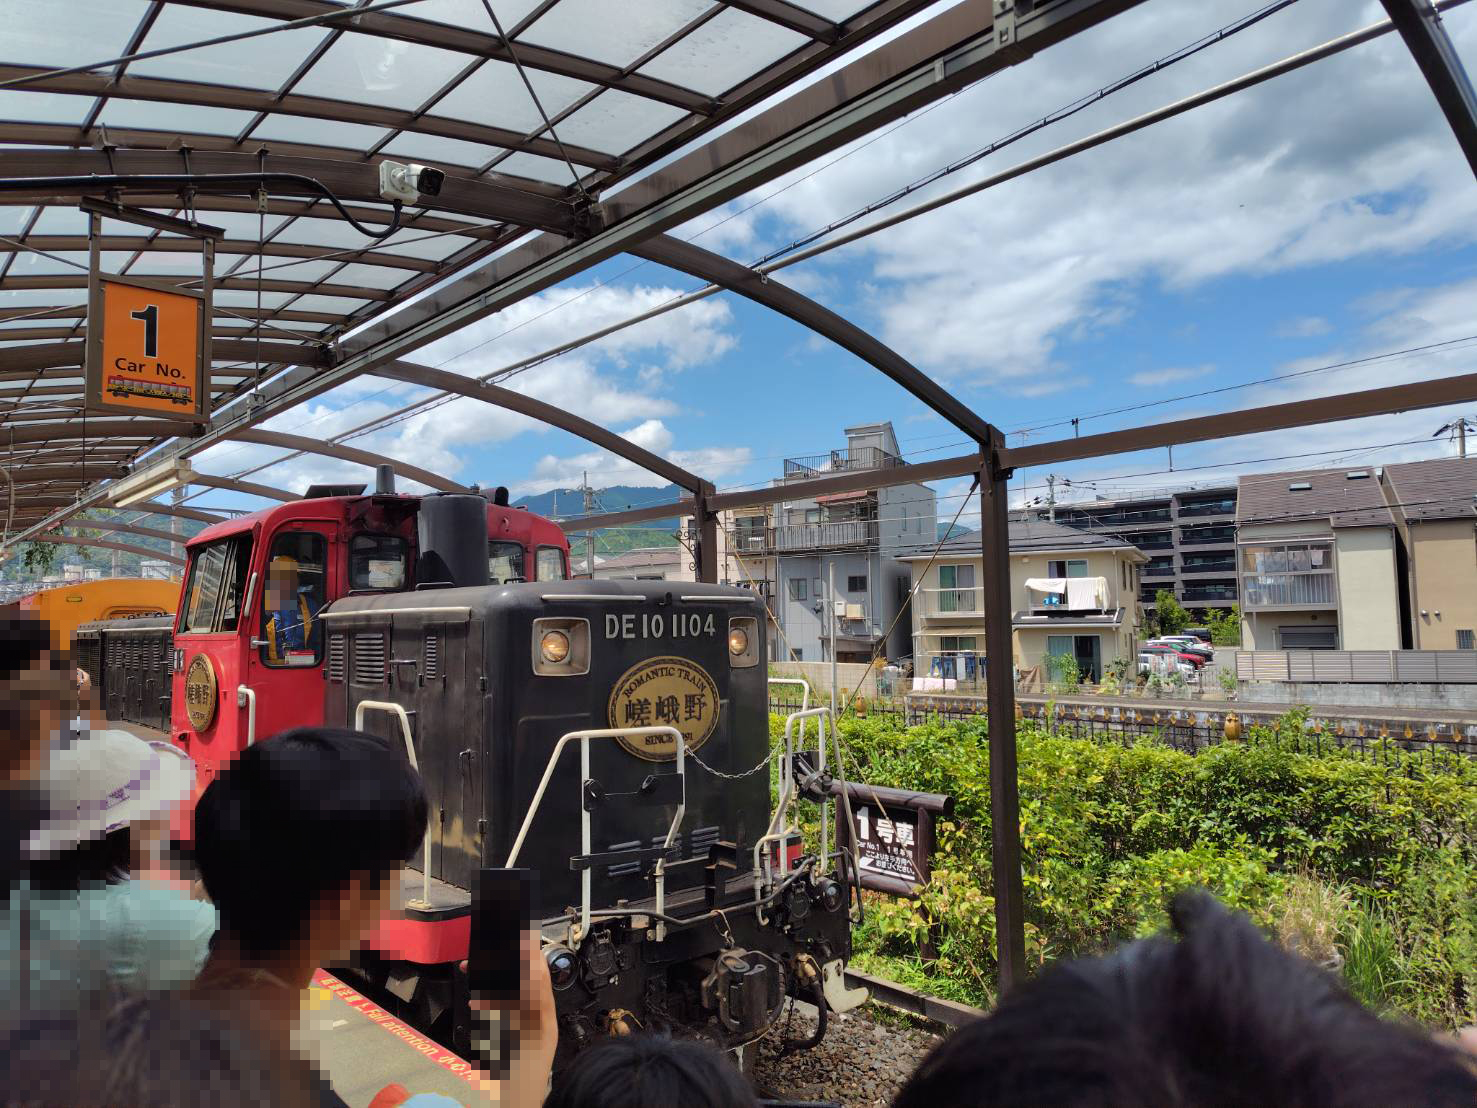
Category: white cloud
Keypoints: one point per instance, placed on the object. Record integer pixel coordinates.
(1152, 377)
(556, 472)
(1303, 327)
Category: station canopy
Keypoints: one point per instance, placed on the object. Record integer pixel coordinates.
(619, 88)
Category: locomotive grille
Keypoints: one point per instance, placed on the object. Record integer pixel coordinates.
(432, 666)
(369, 659)
(698, 841)
(337, 649)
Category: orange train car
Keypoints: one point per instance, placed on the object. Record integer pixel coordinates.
(66, 607)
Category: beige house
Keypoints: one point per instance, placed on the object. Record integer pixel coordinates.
(1319, 562)
(1435, 508)
(1071, 594)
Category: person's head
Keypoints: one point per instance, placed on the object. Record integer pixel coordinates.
(155, 1050)
(1220, 1017)
(301, 840)
(651, 1071)
(109, 799)
(282, 582)
(36, 693)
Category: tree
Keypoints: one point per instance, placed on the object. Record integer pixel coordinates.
(1172, 617)
(1225, 626)
(38, 558)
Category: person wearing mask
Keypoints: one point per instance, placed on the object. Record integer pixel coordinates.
(34, 697)
(300, 844)
(89, 918)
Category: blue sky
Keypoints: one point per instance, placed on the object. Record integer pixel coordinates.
(1322, 217)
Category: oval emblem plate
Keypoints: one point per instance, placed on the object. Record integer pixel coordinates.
(201, 692)
(665, 691)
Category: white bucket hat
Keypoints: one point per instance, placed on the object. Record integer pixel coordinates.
(104, 781)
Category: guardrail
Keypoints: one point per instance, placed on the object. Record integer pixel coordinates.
(1448, 667)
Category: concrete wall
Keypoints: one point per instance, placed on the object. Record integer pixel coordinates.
(1259, 629)
(1369, 597)
(1443, 556)
(1436, 697)
(848, 674)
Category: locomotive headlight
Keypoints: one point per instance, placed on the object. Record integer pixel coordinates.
(554, 646)
(561, 647)
(562, 966)
(743, 642)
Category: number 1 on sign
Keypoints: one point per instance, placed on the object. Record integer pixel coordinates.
(149, 317)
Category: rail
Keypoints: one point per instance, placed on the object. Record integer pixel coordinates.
(586, 832)
(399, 713)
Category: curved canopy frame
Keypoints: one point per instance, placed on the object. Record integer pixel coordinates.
(344, 453)
(107, 544)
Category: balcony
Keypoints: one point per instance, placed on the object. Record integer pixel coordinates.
(1209, 594)
(823, 536)
(1289, 590)
(1152, 540)
(1118, 518)
(1207, 536)
(1196, 566)
(1164, 569)
(946, 604)
(840, 461)
(1225, 507)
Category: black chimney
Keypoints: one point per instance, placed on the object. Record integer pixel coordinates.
(500, 496)
(452, 531)
(384, 480)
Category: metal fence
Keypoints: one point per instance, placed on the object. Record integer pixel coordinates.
(1451, 667)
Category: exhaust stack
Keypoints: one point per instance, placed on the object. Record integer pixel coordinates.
(452, 532)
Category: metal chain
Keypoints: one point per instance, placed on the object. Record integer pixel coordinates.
(736, 776)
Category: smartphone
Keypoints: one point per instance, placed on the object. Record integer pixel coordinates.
(502, 912)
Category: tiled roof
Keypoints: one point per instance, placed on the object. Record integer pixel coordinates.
(1441, 488)
(1027, 535)
(1311, 494)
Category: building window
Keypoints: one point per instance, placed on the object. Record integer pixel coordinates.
(856, 583)
(1071, 567)
(1290, 575)
(796, 653)
(797, 590)
(812, 515)
(1466, 640)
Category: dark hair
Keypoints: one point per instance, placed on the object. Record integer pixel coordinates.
(153, 1050)
(23, 640)
(1221, 1017)
(650, 1071)
(107, 860)
(297, 816)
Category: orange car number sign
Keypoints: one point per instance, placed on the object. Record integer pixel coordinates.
(145, 350)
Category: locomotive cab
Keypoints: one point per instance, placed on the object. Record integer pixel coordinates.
(546, 721)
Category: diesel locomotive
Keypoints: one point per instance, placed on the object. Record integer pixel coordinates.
(610, 735)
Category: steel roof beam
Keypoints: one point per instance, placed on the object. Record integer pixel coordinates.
(171, 245)
(479, 43)
(178, 511)
(763, 289)
(348, 180)
(163, 90)
(107, 544)
(108, 525)
(100, 429)
(305, 445)
(545, 413)
(231, 484)
(24, 475)
(246, 284)
(51, 355)
(1425, 37)
(790, 16)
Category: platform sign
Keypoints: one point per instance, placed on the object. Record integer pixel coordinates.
(895, 835)
(148, 349)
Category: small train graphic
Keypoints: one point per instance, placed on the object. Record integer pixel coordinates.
(128, 386)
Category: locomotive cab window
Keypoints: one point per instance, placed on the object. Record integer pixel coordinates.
(505, 562)
(215, 587)
(550, 564)
(377, 563)
(291, 632)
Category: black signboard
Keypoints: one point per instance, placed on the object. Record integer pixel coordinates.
(894, 835)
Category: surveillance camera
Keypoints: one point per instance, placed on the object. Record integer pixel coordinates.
(408, 183)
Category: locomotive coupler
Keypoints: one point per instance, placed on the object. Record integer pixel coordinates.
(745, 989)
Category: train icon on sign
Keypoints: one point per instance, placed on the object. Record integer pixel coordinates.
(125, 386)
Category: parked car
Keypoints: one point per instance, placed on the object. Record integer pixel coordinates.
(1190, 643)
(1201, 633)
(1174, 651)
(1165, 663)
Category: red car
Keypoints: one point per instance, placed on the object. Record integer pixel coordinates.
(1196, 660)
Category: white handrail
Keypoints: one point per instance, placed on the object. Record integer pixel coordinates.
(246, 698)
(398, 712)
(586, 844)
(779, 829)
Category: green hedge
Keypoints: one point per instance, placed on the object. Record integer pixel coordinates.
(1367, 863)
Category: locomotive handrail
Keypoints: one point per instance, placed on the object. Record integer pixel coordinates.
(779, 828)
(246, 698)
(586, 845)
(398, 712)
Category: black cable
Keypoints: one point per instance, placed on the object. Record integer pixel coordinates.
(98, 181)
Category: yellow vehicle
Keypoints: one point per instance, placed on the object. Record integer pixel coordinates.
(66, 607)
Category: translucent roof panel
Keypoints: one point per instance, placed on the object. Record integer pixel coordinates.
(43, 107)
(494, 93)
(536, 167)
(342, 305)
(331, 234)
(264, 62)
(60, 221)
(151, 115)
(586, 27)
(616, 121)
(834, 10)
(279, 269)
(724, 52)
(319, 132)
(74, 32)
(41, 298)
(415, 244)
(240, 225)
(434, 148)
(471, 14)
(246, 298)
(13, 218)
(372, 276)
(365, 69)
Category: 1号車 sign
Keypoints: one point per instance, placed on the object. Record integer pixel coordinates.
(148, 349)
(894, 835)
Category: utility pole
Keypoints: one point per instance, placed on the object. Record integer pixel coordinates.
(1461, 425)
(589, 506)
(1051, 497)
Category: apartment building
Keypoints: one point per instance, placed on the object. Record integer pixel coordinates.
(1188, 535)
(793, 550)
(655, 563)
(1073, 593)
(1435, 509)
(1320, 562)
